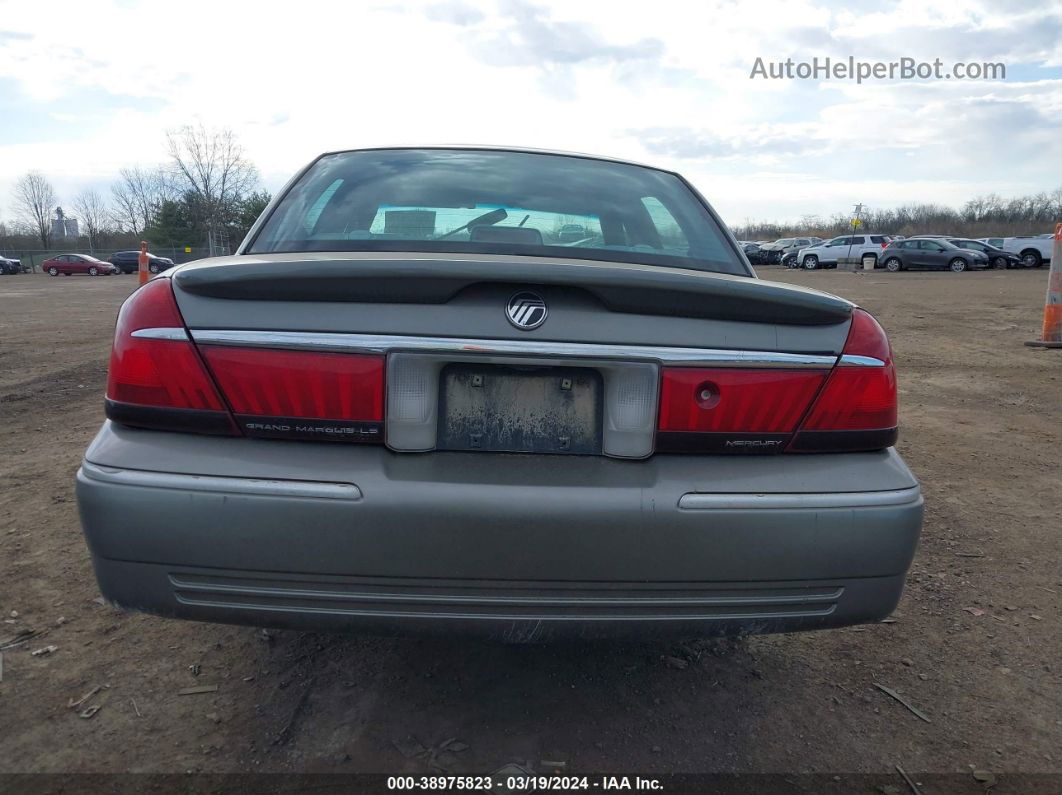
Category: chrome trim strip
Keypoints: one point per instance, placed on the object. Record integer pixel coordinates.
(851, 360)
(752, 502)
(220, 485)
(161, 333)
(385, 343)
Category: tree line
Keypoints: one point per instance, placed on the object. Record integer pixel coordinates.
(982, 216)
(206, 191)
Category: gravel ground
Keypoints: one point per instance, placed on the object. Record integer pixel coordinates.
(974, 645)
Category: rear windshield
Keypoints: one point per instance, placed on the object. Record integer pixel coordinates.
(472, 201)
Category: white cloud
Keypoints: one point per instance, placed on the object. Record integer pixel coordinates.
(94, 86)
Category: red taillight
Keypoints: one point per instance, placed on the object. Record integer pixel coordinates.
(867, 338)
(743, 401)
(156, 379)
(857, 408)
(163, 373)
(300, 384)
(732, 410)
(848, 408)
(855, 399)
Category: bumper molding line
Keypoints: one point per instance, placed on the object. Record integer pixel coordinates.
(696, 501)
(258, 487)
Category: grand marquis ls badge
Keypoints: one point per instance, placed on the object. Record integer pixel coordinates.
(526, 311)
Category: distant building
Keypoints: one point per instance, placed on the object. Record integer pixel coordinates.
(63, 227)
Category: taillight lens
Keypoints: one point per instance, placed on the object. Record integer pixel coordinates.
(165, 373)
(750, 401)
(851, 407)
(344, 390)
(156, 378)
(855, 398)
(857, 408)
(732, 410)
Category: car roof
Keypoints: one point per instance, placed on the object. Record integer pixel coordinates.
(492, 148)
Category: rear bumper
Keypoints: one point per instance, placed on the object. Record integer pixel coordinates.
(344, 537)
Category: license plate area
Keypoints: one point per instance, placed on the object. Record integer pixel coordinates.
(520, 409)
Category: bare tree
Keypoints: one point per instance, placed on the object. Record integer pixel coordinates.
(34, 198)
(89, 205)
(123, 209)
(210, 165)
(136, 197)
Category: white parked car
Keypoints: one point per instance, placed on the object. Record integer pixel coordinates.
(1034, 250)
(849, 247)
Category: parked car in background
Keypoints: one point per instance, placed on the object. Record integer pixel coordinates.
(778, 250)
(69, 264)
(129, 262)
(10, 265)
(1033, 250)
(849, 247)
(930, 253)
(489, 430)
(789, 258)
(996, 256)
(755, 253)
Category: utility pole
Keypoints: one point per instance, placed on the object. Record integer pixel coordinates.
(856, 222)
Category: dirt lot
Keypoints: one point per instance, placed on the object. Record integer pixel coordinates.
(975, 645)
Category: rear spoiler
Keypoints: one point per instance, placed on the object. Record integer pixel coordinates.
(418, 279)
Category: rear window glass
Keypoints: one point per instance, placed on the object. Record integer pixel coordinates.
(478, 201)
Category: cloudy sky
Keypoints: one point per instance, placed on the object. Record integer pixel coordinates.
(88, 87)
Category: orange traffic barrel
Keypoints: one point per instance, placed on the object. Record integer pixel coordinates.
(1051, 337)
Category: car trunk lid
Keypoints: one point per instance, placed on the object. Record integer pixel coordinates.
(428, 353)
